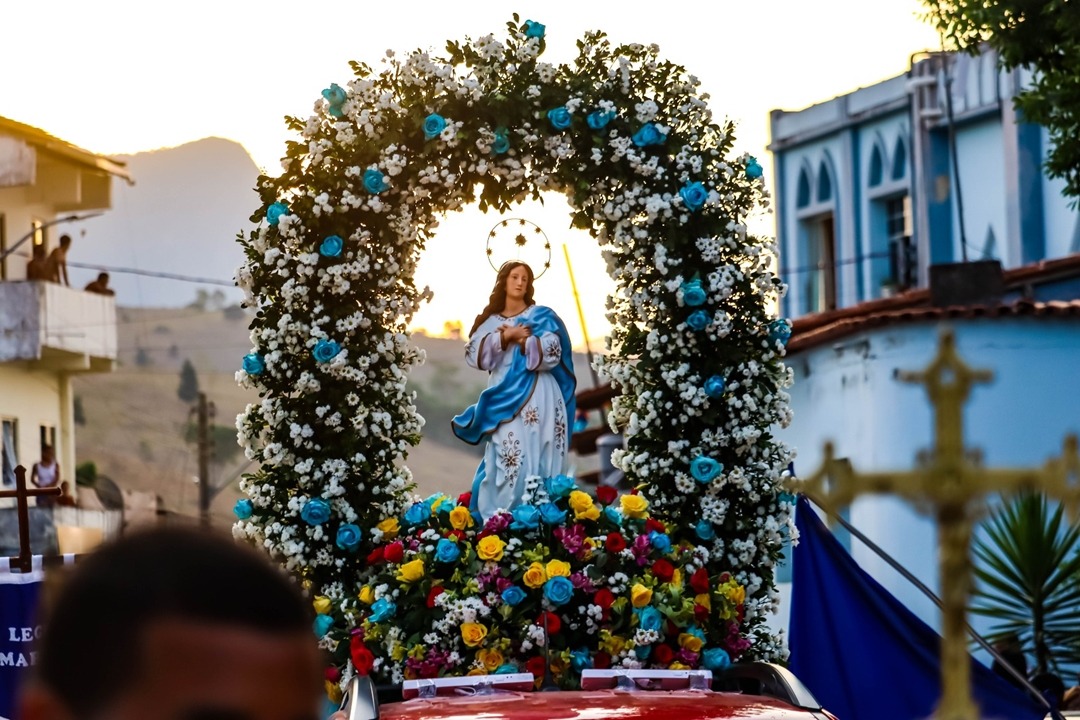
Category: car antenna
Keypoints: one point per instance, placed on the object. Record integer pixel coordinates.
(549, 681)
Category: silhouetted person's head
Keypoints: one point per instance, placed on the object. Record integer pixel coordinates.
(103, 278)
(39, 251)
(175, 624)
(65, 241)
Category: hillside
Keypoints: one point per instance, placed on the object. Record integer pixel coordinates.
(136, 426)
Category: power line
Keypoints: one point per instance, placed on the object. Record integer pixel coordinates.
(155, 274)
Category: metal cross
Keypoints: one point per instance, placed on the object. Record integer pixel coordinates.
(950, 484)
(21, 494)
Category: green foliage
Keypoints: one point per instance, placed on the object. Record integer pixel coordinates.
(86, 474)
(188, 390)
(1028, 568)
(1043, 37)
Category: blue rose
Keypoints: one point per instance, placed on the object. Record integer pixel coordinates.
(382, 609)
(648, 134)
(275, 211)
(348, 536)
(780, 331)
(614, 516)
(253, 364)
(434, 124)
(699, 320)
(316, 511)
(660, 541)
(243, 509)
(559, 486)
(445, 506)
(417, 513)
(643, 651)
(715, 659)
(551, 514)
(705, 469)
(513, 595)
(431, 500)
(705, 530)
(558, 590)
(447, 551)
(326, 350)
(322, 625)
(598, 119)
(580, 659)
(693, 294)
(559, 118)
(649, 618)
(714, 386)
(331, 246)
(753, 168)
(506, 669)
(534, 29)
(501, 143)
(334, 95)
(694, 195)
(526, 517)
(374, 181)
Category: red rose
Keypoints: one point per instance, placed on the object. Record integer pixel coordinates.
(651, 525)
(604, 598)
(464, 499)
(663, 654)
(536, 666)
(376, 556)
(601, 661)
(394, 552)
(554, 624)
(724, 577)
(663, 570)
(701, 613)
(332, 674)
(606, 494)
(459, 534)
(362, 658)
(435, 592)
(699, 581)
(615, 543)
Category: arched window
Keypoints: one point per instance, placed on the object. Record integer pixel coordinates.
(876, 169)
(824, 184)
(802, 191)
(899, 161)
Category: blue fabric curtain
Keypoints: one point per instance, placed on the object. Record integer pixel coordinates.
(861, 652)
(18, 628)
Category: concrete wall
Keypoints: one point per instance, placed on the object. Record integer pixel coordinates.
(33, 398)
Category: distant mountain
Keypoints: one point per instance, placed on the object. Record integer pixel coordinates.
(180, 217)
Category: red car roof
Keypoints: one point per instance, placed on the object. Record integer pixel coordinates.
(596, 705)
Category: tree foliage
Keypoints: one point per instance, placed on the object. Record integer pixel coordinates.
(189, 383)
(1041, 36)
(1029, 580)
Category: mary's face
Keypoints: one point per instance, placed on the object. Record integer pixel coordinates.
(517, 283)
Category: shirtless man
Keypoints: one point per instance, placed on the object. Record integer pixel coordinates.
(56, 265)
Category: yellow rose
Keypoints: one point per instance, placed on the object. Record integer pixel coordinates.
(690, 642)
(439, 497)
(678, 666)
(580, 501)
(389, 528)
(558, 568)
(633, 506)
(704, 600)
(322, 605)
(490, 548)
(640, 595)
(477, 671)
(411, 571)
(491, 659)
(332, 691)
(473, 634)
(461, 518)
(535, 576)
(367, 595)
(590, 513)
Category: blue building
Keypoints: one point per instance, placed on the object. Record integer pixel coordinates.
(913, 203)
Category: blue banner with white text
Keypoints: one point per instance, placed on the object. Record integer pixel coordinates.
(18, 632)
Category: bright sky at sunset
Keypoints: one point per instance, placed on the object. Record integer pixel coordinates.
(121, 77)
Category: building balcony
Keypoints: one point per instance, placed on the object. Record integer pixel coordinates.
(56, 327)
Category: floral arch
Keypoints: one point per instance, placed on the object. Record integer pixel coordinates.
(676, 574)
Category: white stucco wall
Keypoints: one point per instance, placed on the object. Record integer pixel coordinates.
(846, 393)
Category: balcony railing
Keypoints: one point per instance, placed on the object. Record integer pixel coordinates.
(57, 326)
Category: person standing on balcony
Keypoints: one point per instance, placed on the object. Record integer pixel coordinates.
(37, 267)
(46, 474)
(56, 265)
(100, 286)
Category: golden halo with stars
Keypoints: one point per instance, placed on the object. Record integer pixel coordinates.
(520, 240)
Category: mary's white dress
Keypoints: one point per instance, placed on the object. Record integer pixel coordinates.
(526, 419)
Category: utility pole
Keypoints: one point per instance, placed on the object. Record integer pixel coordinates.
(205, 410)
